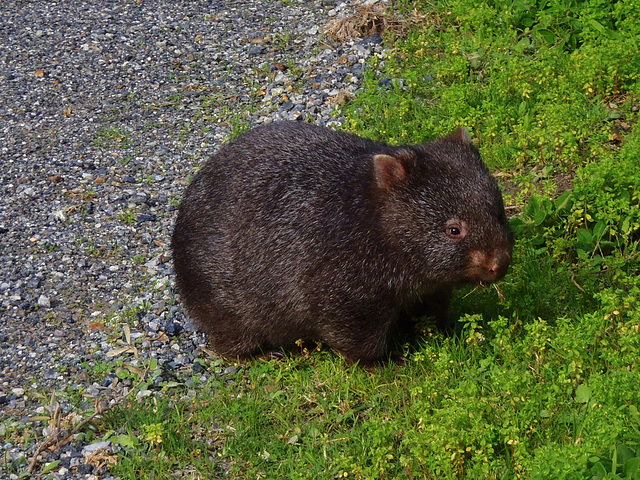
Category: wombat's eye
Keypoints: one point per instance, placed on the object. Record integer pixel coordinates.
(456, 229)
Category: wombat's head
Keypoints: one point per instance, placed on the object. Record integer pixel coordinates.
(442, 211)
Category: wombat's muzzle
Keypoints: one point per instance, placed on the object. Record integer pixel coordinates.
(487, 267)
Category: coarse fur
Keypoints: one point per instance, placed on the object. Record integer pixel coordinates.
(294, 231)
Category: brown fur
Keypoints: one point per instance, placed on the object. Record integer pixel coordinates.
(294, 231)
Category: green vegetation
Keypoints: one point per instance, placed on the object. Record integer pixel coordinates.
(108, 137)
(543, 379)
(128, 216)
(537, 82)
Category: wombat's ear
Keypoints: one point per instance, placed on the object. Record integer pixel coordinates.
(460, 134)
(391, 169)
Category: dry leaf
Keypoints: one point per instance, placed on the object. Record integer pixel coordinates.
(120, 350)
(127, 333)
(135, 370)
(38, 418)
(161, 338)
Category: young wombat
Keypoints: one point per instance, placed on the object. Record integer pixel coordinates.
(294, 231)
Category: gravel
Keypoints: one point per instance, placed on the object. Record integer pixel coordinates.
(106, 109)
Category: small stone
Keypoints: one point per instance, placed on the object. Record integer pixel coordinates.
(255, 50)
(92, 390)
(140, 197)
(60, 215)
(108, 380)
(231, 370)
(374, 39)
(94, 447)
(197, 367)
(143, 393)
(280, 78)
(44, 302)
(85, 469)
(172, 328)
(145, 218)
(158, 305)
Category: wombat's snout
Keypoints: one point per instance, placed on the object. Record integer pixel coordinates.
(487, 267)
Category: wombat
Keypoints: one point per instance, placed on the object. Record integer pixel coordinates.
(294, 231)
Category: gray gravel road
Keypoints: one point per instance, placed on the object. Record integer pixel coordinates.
(106, 108)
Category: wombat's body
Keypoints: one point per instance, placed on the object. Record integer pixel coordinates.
(298, 232)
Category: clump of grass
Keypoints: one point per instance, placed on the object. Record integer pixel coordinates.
(107, 137)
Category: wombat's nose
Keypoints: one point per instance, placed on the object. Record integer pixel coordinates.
(500, 262)
(487, 267)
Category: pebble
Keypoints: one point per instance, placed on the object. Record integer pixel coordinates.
(94, 447)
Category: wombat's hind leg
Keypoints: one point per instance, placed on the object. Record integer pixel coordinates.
(233, 346)
(226, 333)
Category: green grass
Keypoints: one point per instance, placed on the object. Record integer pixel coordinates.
(536, 82)
(543, 379)
(507, 399)
(543, 384)
(109, 137)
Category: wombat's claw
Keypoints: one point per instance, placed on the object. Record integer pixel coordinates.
(273, 355)
(399, 360)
